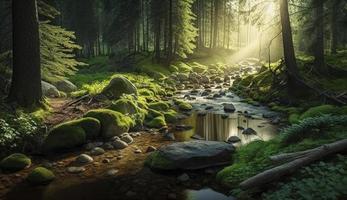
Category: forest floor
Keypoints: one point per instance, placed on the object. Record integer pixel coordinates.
(122, 174)
(131, 181)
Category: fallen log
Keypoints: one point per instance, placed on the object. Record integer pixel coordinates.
(290, 167)
(287, 157)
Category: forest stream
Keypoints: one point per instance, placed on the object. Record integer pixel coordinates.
(124, 170)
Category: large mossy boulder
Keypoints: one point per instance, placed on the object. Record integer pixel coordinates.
(91, 126)
(15, 162)
(40, 176)
(118, 86)
(76, 132)
(195, 154)
(113, 123)
(159, 106)
(124, 106)
(65, 86)
(49, 90)
(157, 122)
(64, 136)
(171, 116)
(153, 114)
(184, 106)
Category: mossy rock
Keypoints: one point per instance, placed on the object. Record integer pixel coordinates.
(184, 106)
(177, 101)
(156, 159)
(91, 126)
(153, 114)
(40, 176)
(113, 123)
(321, 110)
(64, 136)
(146, 92)
(160, 106)
(170, 116)
(118, 86)
(15, 162)
(157, 122)
(124, 106)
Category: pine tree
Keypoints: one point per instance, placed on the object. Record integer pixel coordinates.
(26, 76)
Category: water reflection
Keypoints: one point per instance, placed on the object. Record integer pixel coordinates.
(205, 194)
(219, 127)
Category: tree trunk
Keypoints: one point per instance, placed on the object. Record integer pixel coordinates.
(215, 26)
(334, 24)
(26, 77)
(276, 173)
(319, 61)
(169, 50)
(288, 47)
(157, 41)
(211, 25)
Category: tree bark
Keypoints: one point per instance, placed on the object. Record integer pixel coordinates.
(288, 47)
(318, 46)
(334, 25)
(275, 173)
(215, 25)
(169, 50)
(26, 77)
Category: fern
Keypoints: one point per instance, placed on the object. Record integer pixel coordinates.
(309, 127)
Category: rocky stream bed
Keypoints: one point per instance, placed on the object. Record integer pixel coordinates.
(178, 162)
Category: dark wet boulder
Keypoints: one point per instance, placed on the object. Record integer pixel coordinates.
(233, 139)
(230, 108)
(183, 127)
(196, 154)
(249, 131)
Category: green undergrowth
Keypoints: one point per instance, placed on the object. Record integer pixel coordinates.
(21, 130)
(261, 86)
(253, 158)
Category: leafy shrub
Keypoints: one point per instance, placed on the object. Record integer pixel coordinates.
(19, 133)
(318, 181)
(248, 161)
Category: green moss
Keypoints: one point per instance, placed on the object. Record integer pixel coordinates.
(248, 161)
(112, 122)
(40, 176)
(156, 122)
(146, 92)
(64, 136)
(185, 106)
(321, 110)
(15, 162)
(198, 68)
(118, 86)
(157, 161)
(160, 106)
(91, 127)
(178, 101)
(153, 113)
(125, 106)
(294, 118)
(170, 116)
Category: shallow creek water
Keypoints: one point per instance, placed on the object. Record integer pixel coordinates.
(215, 124)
